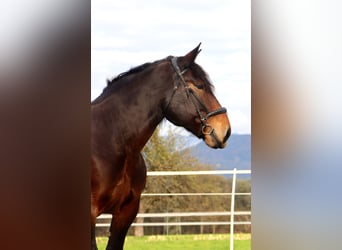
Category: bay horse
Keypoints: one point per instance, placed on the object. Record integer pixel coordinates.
(124, 117)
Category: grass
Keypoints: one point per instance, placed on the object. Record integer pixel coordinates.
(182, 242)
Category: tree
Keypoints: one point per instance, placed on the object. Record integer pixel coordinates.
(166, 153)
(163, 153)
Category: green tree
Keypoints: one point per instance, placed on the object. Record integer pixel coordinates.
(163, 153)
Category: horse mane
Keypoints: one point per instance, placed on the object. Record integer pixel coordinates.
(197, 69)
(134, 70)
(129, 72)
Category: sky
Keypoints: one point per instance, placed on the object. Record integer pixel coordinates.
(125, 34)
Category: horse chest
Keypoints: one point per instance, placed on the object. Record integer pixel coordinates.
(126, 187)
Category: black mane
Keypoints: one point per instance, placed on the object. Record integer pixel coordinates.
(107, 90)
(197, 70)
(129, 72)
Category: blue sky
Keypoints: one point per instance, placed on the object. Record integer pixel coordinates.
(129, 33)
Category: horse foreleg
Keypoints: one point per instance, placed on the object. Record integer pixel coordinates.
(93, 239)
(121, 223)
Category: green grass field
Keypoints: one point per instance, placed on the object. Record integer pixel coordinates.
(181, 242)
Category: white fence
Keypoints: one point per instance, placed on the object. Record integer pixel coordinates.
(230, 213)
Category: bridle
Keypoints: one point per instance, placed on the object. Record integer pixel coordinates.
(206, 129)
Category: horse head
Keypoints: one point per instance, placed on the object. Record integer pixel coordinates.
(192, 103)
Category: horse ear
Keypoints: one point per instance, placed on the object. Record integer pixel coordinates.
(188, 59)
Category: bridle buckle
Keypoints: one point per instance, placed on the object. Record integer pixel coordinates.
(205, 130)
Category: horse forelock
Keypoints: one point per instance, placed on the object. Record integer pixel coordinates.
(199, 72)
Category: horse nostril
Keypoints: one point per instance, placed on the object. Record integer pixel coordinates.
(227, 135)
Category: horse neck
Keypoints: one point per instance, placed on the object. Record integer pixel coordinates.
(135, 109)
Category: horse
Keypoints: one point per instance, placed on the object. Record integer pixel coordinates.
(124, 117)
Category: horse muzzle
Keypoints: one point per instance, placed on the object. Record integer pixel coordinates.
(215, 138)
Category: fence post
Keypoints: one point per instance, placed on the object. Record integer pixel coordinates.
(232, 205)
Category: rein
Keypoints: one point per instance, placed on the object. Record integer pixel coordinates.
(207, 129)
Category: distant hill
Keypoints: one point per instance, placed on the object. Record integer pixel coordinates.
(237, 154)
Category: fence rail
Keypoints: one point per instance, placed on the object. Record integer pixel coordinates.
(193, 194)
(181, 214)
(231, 222)
(206, 172)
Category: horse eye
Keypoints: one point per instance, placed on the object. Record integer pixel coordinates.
(199, 86)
